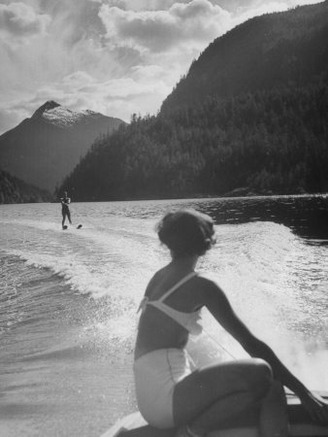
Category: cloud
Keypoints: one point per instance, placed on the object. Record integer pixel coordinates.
(117, 57)
(140, 5)
(141, 92)
(19, 19)
(158, 31)
(107, 58)
(120, 97)
(9, 117)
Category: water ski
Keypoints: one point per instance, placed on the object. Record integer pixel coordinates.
(301, 424)
(79, 226)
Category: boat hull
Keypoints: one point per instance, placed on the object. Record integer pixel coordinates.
(300, 422)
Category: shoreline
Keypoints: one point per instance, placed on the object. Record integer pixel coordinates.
(229, 195)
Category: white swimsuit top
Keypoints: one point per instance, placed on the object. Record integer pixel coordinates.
(189, 321)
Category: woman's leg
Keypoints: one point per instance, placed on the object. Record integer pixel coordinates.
(208, 397)
(228, 412)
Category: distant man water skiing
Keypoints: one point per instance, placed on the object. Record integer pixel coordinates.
(65, 201)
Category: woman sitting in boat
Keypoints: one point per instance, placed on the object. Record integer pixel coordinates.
(170, 392)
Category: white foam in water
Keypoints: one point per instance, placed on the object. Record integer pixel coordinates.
(257, 267)
(91, 261)
(263, 268)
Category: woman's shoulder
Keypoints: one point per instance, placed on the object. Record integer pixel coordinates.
(154, 280)
(207, 277)
(208, 282)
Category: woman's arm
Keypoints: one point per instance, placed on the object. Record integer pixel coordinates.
(218, 304)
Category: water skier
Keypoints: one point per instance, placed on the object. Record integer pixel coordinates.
(65, 201)
(170, 393)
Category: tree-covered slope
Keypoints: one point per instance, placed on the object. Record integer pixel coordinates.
(14, 190)
(259, 139)
(270, 51)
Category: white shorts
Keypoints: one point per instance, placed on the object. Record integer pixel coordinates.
(156, 375)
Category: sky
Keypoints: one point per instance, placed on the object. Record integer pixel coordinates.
(117, 57)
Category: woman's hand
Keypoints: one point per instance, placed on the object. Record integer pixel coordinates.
(316, 406)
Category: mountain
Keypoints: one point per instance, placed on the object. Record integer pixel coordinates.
(14, 190)
(43, 149)
(266, 52)
(250, 117)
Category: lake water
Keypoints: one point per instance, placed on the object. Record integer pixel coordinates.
(69, 299)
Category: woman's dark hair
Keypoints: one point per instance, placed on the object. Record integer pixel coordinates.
(186, 232)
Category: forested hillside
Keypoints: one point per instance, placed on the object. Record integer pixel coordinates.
(255, 139)
(13, 190)
(273, 50)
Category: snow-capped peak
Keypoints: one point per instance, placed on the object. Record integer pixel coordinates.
(60, 116)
